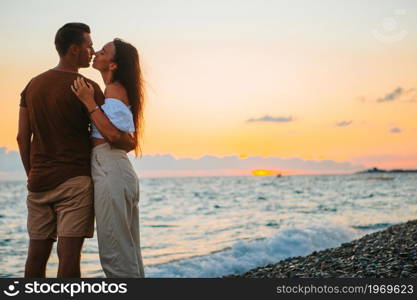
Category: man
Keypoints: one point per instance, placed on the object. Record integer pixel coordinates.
(55, 149)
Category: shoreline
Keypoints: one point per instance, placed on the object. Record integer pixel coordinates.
(389, 253)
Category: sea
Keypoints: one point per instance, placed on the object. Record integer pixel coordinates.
(193, 227)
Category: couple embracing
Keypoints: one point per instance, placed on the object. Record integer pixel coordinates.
(73, 142)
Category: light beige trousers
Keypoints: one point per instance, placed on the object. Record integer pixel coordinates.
(116, 200)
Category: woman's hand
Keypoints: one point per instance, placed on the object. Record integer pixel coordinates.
(84, 91)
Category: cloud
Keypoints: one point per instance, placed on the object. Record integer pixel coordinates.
(11, 167)
(382, 158)
(361, 99)
(167, 165)
(395, 130)
(387, 161)
(343, 123)
(233, 162)
(404, 95)
(411, 95)
(10, 161)
(267, 118)
(395, 94)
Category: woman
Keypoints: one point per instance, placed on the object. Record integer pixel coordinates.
(116, 185)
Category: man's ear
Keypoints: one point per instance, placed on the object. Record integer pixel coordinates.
(112, 66)
(73, 49)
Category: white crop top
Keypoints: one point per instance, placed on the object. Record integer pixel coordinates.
(119, 115)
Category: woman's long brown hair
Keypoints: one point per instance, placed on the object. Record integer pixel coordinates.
(129, 74)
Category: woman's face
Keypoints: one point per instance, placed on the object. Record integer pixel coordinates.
(103, 58)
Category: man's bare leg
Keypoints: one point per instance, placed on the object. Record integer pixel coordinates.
(38, 255)
(69, 255)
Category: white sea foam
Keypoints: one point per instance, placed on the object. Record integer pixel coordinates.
(245, 255)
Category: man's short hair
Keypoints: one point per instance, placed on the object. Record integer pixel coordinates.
(70, 33)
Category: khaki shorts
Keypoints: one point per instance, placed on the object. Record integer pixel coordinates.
(66, 211)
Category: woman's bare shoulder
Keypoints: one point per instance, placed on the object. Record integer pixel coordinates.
(116, 90)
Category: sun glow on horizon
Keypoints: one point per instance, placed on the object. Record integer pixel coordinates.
(264, 172)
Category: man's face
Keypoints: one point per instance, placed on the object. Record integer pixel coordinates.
(86, 51)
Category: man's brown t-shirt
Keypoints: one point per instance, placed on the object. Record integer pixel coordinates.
(60, 147)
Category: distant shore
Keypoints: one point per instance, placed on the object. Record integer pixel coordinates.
(390, 253)
(376, 170)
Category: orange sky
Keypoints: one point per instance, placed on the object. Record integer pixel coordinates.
(203, 85)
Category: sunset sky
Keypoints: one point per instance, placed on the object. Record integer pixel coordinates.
(314, 80)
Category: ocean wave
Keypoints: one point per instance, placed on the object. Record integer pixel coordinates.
(245, 255)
